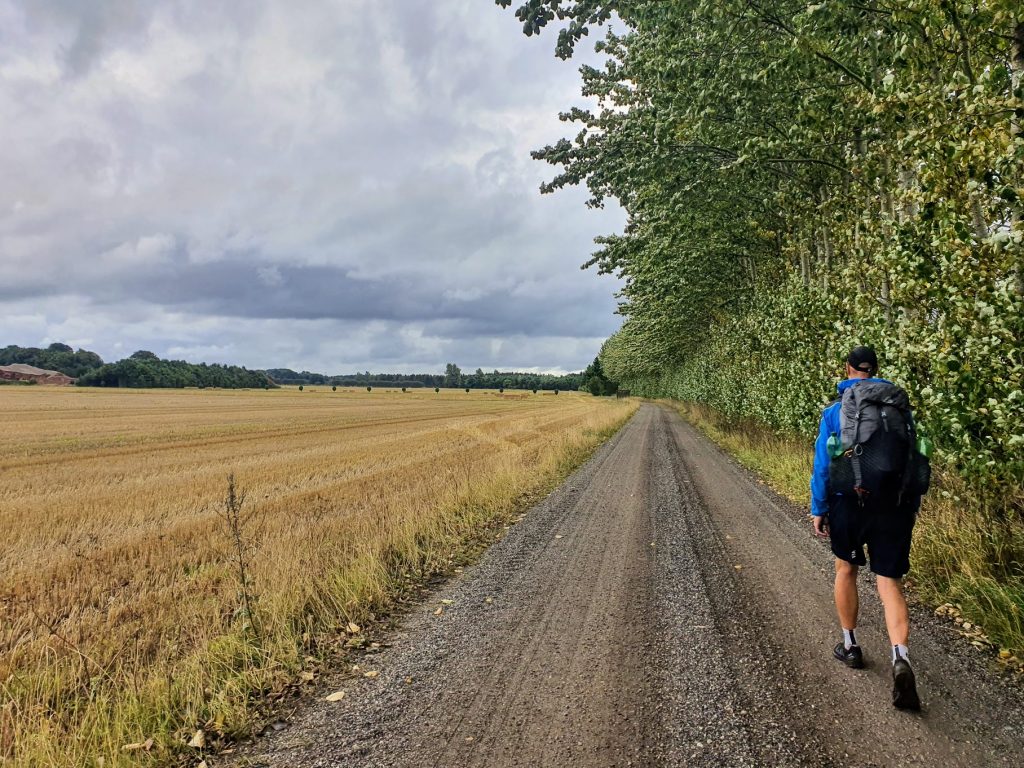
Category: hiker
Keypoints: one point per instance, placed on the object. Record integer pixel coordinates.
(865, 490)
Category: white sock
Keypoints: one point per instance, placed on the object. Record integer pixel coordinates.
(900, 652)
(849, 640)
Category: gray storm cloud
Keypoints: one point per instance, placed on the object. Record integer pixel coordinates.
(329, 185)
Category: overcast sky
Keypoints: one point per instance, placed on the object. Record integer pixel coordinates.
(339, 185)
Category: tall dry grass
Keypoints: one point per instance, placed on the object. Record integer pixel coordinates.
(968, 549)
(123, 616)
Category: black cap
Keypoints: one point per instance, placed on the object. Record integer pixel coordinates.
(863, 359)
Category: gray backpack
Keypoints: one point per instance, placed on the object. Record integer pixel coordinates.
(879, 457)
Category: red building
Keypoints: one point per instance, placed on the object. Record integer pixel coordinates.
(19, 372)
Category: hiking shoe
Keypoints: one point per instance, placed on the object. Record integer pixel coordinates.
(904, 687)
(851, 657)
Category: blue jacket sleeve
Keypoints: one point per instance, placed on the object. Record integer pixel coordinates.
(819, 476)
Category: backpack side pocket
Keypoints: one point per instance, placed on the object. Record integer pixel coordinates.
(919, 474)
(840, 475)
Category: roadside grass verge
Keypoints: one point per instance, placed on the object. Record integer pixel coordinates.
(127, 675)
(968, 547)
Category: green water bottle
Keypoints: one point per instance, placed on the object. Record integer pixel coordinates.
(834, 446)
(924, 445)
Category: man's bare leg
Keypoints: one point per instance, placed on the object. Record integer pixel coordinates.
(897, 617)
(897, 621)
(847, 600)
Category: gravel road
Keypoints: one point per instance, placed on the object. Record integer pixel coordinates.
(661, 608)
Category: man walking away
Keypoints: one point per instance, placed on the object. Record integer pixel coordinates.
(862, 493)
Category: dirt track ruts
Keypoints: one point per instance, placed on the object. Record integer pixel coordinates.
(661, 608)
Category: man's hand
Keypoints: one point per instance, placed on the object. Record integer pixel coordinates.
(820, 526)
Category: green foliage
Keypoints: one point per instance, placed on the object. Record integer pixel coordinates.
(595, 382)
(800, 178)
(145, 371)
(452, 375)
(56, 357)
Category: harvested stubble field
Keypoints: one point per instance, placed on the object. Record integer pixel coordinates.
(122, 604)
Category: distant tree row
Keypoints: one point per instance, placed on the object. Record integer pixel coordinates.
(452, 378)
(145, 369)
(383, 383)
(288, 376)
(56, 357)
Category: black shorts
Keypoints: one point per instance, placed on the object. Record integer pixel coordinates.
(884, 528)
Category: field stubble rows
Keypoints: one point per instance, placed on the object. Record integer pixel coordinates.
(120, 615)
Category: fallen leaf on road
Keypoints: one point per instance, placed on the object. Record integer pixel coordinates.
(198, 740)
(353, 628)
(336, 696)
(488, 600)
(408, 681)
(307, 676)
(738, 567)
(371, 674)
(447, 602)
(439, 611)
(558, 535)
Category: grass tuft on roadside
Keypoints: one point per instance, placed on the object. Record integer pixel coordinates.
(964, 551)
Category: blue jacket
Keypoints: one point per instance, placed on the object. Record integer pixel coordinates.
(829, 426)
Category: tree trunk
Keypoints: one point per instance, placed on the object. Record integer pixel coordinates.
(1016, 120)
